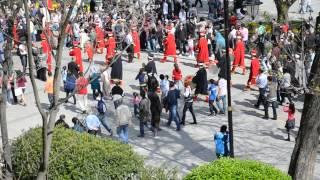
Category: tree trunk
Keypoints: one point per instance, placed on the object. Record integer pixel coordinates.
(3, 111)
(304, 153)
(283, 9)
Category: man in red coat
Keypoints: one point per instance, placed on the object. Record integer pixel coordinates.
(76, 52)
(203, 52)
(136, 41)
(170, 48)
(254, 69)
(100, 39)
(110, 44)
(89, 50)
(46, 49)
(239, 53)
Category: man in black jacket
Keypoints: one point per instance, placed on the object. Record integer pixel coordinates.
(73, 68)
(151, 66)
(181, 36)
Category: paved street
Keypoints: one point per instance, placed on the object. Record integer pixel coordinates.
(255, 138)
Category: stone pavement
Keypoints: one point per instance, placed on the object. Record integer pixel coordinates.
(255, 138)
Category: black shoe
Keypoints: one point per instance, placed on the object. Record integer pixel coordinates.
(256, 106)
(288, 139)
(265, 117)
(274, 118)
(193, 123)
(212, 114)
(221, 113)
(84, 112)
(182, 123)
(178, 129)
(140, 136)
(159, 129)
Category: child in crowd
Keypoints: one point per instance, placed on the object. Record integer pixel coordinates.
(136, 100)
(290, 124)
(190, 46)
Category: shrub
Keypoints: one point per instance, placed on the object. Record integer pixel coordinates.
(158, 173)
(226, 168)
(75, 156)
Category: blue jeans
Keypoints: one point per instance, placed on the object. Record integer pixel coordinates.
(222, 108)
(152, 45)
(142, 124)
(104, 122)
(173, 116)
(123, 133)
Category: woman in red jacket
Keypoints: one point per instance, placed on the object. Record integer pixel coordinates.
(136, 41)
(177, 77)
(170, 48)
(82, 92)
(254, 69)
(203, 52)
(111, 46)
(89, 50)
(239, 53)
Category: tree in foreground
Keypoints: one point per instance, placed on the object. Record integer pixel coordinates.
(81, 156)
(227, 168)
(283, 9)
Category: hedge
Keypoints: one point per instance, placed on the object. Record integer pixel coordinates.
(225, 169)
(75, 156)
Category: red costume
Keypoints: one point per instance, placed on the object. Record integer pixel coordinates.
(176, 74)
(239, 53)
(89, 50)
(46, 49)
(111, 46)
(15, 35)
(170, 48)
(203, 55)
(136, 42)
(254, 69)
(49, 5)
(76, 52)
(100, 40)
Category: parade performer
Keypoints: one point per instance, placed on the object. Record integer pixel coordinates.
(110, 44)
(76, 52)
(170, 48)
(89, 50)
(46, 49)
(116, 70)
(254, 69)
(202, 47)
(100, 39)
(239, 53)
(136, 41)
(201, 81)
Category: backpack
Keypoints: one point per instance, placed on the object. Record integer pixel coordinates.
(100, 106)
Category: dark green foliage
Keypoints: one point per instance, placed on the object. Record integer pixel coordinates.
(75, 156)
(225, 169)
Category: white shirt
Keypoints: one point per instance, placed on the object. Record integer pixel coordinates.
(165, 8)
(129, 39)
(23, 49)
(262, 80)
(222, 85)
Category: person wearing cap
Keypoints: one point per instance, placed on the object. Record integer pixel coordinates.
(169, 48)
(76, 53)
(254, 69)
(110, 44)
(136, 41)
(151, 65)
(239, 53)
(46, 49)
(203, 52)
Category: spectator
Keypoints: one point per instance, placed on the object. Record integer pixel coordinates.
(221, 140)
(123, 117)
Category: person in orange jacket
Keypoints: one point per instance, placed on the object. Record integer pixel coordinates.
(46, 49)
(177, 77)
(170, 48)
(203, 52)
(254, 69)
(76, 52)
(99, 39)
(110, 44)
(136, 41)
(89, 50)
(239, 53)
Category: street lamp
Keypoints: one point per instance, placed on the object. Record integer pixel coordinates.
(252, 7)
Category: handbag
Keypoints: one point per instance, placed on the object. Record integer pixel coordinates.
(18, 91)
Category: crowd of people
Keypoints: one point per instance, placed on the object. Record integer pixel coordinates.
(173, 30)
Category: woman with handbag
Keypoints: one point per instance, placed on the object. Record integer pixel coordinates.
(290, 124)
